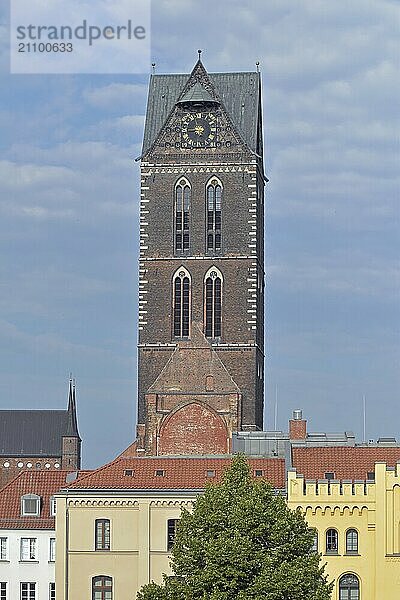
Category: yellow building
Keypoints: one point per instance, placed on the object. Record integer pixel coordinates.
(357, 530)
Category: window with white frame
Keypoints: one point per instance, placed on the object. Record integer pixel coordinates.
(30, 505)
(28, 548)
(53, 506)
(52, 550)
(28, 591)
(3, 548)
(52, 591)
(3, 590)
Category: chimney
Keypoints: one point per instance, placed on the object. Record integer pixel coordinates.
(297, 426)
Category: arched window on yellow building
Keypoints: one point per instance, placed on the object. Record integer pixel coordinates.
(349, 587)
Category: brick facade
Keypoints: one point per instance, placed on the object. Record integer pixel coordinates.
(240, 263)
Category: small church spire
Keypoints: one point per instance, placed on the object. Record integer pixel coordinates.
(153, 67)
(258, 66)
(199, 53)
(70, 394)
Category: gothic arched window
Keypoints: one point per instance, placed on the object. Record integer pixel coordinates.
(181, 303)
(182, 215)
(214, 214)
(213, 303)
(349, 587)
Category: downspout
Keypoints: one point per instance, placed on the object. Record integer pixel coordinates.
(66, 551)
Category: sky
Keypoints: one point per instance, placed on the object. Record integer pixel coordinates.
(69, 198)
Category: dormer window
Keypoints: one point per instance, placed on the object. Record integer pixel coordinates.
(30, 505)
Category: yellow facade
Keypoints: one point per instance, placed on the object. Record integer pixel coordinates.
(370, 508)
(138, 541)
(138, 535)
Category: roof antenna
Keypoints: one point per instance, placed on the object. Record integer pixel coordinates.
(364, 420)
(153, 68)
(199, 53)
(258, 66)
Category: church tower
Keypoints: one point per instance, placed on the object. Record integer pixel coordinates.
(201, 273)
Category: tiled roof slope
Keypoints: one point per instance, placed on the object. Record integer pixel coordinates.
(344, 462)
(43, 483)
(181, 473)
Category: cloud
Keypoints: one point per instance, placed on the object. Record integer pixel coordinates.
(115, 96)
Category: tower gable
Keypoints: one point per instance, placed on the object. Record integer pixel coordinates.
(237, 94)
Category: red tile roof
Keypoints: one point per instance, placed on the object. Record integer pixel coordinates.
(43, 483)
(183, 473)
(344, 462)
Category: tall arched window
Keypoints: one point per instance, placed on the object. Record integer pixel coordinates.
(351, 541)
(214, 214)
(181, 303)
(213, 303)
(102, 588)
(102, 534)
(182, 215)
(349, 587)
(331, 541)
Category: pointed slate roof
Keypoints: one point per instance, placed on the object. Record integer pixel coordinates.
(240, 94)
(197, 357)
(196, 94)
(37, 432)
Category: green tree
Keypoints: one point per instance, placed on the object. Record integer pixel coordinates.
(241, 542)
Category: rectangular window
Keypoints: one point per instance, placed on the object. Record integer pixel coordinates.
(53, 506)
(52, 591)
(52, 550)
(3, 590)
(28, 548)
(171, 530)
(3, 548)
(28, 591)
(102, 534)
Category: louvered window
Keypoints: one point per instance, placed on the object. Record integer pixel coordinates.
(182, 216)
(214, 216)
(213, 304)
(181, 304)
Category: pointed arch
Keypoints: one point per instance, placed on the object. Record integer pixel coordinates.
(182, 201)
(181, 301)
(213, 282)
(214, 191)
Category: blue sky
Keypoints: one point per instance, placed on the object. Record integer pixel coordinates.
(69, 215)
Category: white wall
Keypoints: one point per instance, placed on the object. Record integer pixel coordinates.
(40, 571)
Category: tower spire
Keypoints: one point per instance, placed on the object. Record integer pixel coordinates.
(199, 53)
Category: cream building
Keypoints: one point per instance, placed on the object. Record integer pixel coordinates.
(115, 527)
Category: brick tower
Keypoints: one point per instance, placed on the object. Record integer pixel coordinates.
(201, 274)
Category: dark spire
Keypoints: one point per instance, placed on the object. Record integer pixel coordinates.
(199, 53)
(72, 427)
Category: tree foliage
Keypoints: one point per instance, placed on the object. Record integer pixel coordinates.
(242, 542)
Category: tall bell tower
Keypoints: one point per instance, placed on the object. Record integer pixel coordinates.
(201, 273)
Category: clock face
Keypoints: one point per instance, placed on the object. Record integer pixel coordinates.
(199, 130)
